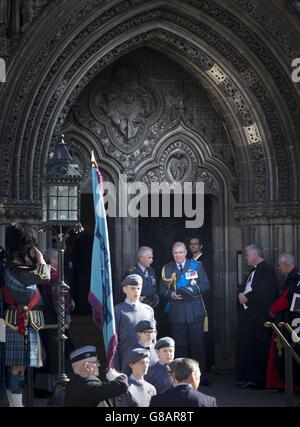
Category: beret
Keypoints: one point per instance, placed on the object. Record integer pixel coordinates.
(144, 325)
(164, 342)
(132, 280)
(137, 354)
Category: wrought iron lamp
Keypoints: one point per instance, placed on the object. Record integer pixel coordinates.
(61, 203)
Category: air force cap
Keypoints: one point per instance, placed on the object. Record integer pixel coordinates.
(82, 353)
(164, 342)
(132, 280)
(137, 354)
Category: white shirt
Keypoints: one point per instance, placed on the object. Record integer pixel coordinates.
(248, 287)
(180, 264)
(136, 303)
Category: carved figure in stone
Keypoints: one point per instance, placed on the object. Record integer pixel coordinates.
(126, 102)
(178, 166)
(27, 12)
(3, 11)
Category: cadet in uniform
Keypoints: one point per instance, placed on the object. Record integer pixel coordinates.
(128, 314)
(159, 374)
(140, 391)
(146, 332)
(183, 282)
(149, 293)
(85, 389)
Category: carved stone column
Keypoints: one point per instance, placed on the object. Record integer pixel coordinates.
(17, 212)
(275, 226)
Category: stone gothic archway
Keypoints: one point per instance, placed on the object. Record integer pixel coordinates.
(246, 73)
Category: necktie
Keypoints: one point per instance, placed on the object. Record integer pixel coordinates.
(180, 268)
(146, 274)
(134, 307)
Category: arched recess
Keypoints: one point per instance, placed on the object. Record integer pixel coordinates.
(62, 86)
(217, 178)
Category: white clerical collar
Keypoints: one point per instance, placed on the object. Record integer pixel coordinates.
(136, 303)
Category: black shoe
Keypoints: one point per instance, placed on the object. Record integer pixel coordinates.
(249, 384)
(240, 384)
(206, 383)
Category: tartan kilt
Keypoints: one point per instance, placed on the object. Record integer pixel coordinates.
(15, 352)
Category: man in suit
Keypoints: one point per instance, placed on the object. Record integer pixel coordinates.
(184, 393)
(149, 293)
(183, 282)
(253, 339)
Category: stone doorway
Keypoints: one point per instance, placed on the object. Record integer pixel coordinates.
(160, 233)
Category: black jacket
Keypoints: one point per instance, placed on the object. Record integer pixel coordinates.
(90, 391)
(183, 395)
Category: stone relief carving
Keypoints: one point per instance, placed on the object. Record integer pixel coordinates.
(178, 162)
(50, 45)
(208, 179)
(180, 104)
(178, 166)
(199, 173)
(266, 211)
(126, 106)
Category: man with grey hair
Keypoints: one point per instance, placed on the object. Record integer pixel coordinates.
(287, 309)
(183, 281)
(184, 394)
(252, 337)
(149, 293)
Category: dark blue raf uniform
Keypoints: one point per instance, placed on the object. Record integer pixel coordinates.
(182, 396)
(186, 315)
(149, 293)
(159, 374)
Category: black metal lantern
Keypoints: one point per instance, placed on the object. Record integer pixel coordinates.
(61, 200)
(61, 204)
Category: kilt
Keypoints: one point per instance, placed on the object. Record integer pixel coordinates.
(15, 352)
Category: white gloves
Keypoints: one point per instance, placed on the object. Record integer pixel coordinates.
(112, 374)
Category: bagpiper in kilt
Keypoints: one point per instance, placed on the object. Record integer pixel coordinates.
(23, 314)
(22, 269)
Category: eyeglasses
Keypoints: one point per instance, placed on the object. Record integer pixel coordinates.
(148, 332)
(95, 363)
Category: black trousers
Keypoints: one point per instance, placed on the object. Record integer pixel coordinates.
(252, 351)
(189, 342)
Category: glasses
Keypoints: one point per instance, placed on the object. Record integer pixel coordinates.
(148, 332)
(94, 363)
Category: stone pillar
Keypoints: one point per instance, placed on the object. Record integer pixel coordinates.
(275, 226)
(126, 244)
